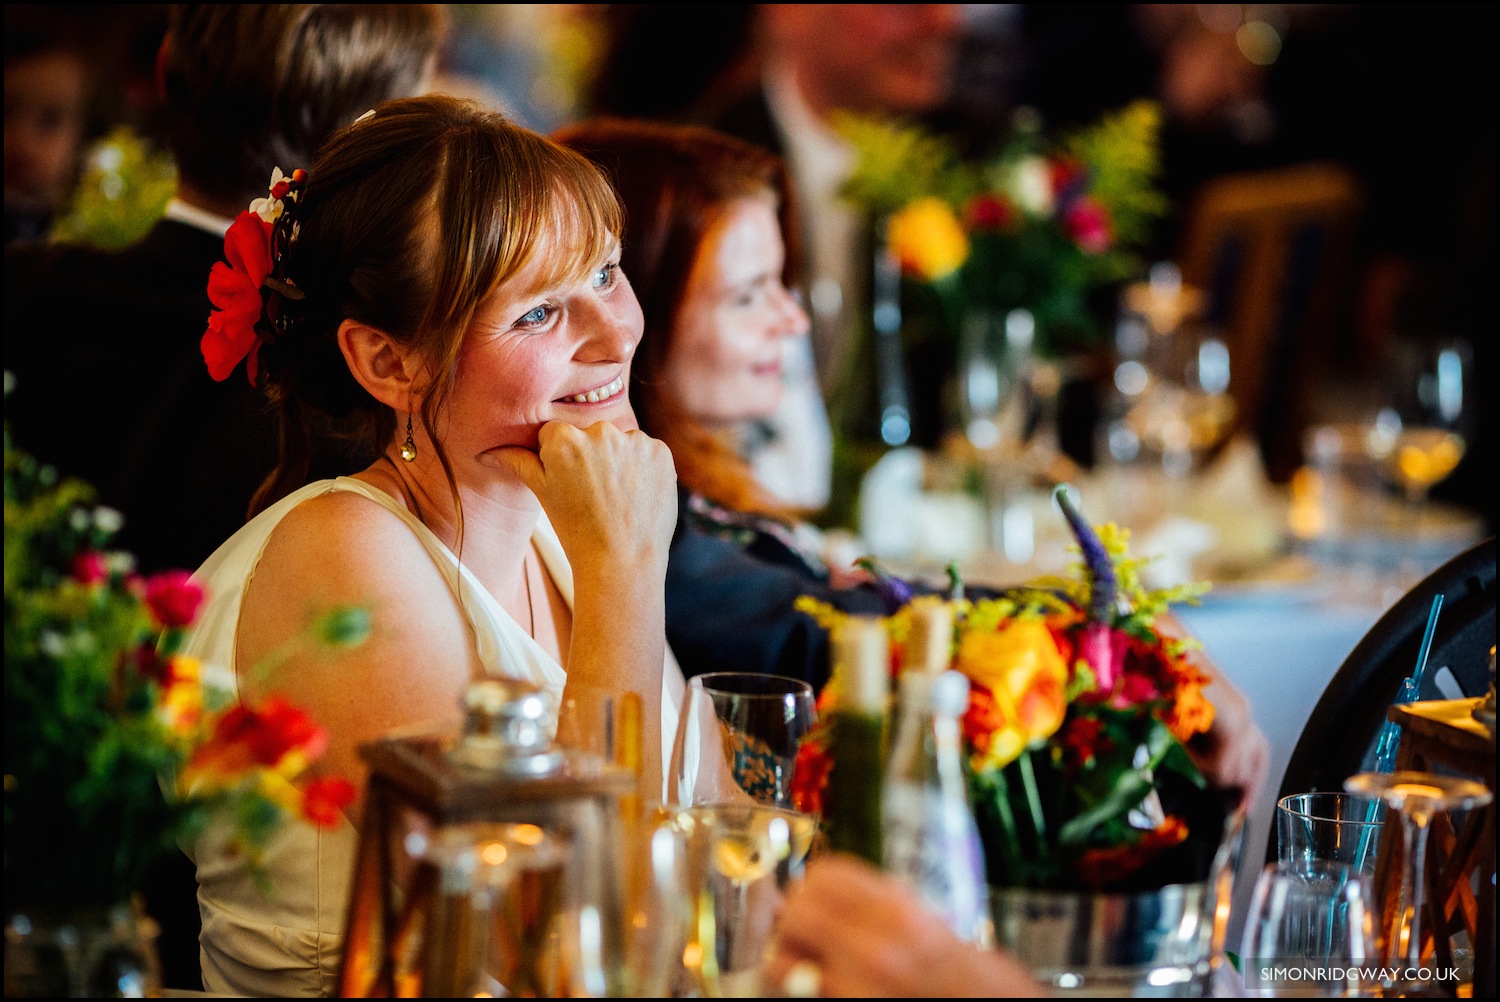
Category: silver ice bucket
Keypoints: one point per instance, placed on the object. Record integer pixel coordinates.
(1167, 942)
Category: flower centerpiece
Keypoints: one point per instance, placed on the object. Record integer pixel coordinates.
(117, 746)
(1081, 705)
(1042, 222)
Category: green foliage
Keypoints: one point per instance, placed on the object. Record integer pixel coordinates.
(898, 162)
(1121, 150)
(100, 712)
(84, 812)
(124, 190)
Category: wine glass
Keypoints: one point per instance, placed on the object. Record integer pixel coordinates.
(1417, 796)
(730, 783)
(1423, 430)
(1309, 930)
(1420, 435)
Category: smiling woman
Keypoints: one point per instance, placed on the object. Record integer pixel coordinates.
(709, 250)
(444, 286)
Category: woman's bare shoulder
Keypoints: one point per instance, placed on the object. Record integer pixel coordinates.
(341, 550)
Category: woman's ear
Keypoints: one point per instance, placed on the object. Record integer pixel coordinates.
(384, 368)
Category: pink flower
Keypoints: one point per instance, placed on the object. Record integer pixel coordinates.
(90, 567)
(1087, 222)
(174, 598)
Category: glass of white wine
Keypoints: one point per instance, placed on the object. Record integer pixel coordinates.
(730, 781)
(1421, 434)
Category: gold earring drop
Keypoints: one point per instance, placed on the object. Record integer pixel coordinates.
(409, 447)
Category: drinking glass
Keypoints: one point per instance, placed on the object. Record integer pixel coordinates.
(1319, 829)
(1309, 931)
(1425, 426)
(730, 783)
(1418, 796)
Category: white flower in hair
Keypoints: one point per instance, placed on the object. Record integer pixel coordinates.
(269, 208)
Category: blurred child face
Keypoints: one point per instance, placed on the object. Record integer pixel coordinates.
(724, 365)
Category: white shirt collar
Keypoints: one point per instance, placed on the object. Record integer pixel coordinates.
(190, 215)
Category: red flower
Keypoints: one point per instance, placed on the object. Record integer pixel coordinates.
(1082, 738)
(324, 799)
(234, 289)
(1087, 222)
(174, 598)
(276, 734)
(810, 773)
(1068, 178)
(148, 664)
(90, 567)
(990, 212)
(1099, 867)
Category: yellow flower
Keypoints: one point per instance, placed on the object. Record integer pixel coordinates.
(181, 708)
(1021, 682)
(928, 239)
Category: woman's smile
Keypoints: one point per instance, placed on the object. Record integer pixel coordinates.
(598, 395)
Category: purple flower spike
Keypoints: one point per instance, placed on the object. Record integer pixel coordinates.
(1098, 645)
(893, 591)
(1103, 585)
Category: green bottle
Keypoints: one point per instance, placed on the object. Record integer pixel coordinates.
(857, 736)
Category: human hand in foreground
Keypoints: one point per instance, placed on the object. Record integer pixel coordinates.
(849, 930)
(610, 494)
(1234, 754)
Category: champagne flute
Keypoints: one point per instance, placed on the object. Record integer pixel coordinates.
(1418, 796)
(730, 780)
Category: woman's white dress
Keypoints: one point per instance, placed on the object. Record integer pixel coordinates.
(285, 939)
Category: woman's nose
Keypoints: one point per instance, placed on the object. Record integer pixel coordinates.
(612, 333)
(791, 318)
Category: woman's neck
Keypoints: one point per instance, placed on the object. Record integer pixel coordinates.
(491, 532)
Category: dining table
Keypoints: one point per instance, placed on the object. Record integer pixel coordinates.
(1285, 604)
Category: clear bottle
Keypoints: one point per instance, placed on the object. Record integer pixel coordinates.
(851, 804)
(928, 832)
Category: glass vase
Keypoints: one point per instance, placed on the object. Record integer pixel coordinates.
(83, 952)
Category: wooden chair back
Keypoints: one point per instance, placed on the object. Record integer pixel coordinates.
(1275, 250)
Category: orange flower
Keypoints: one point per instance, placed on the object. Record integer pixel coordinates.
(1023, 677)
(927, 239)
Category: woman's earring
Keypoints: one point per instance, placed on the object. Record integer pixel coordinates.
(409, 447)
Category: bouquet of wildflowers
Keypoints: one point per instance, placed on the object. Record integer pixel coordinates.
(102, 712)
(1041, 223)
(1080, 706)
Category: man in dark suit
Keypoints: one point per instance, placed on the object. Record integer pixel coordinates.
(110, 384)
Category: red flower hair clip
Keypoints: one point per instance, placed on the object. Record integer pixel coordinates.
(253, 248)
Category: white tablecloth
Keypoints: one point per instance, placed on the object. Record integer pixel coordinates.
(1280, 651)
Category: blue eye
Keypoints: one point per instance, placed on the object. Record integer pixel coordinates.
(605, 276)
(535, 316)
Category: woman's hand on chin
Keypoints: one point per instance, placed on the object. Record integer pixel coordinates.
(610, 494)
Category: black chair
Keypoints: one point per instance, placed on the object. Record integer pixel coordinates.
(1338, 739)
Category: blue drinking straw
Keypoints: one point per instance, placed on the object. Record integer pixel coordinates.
(1390, 734)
